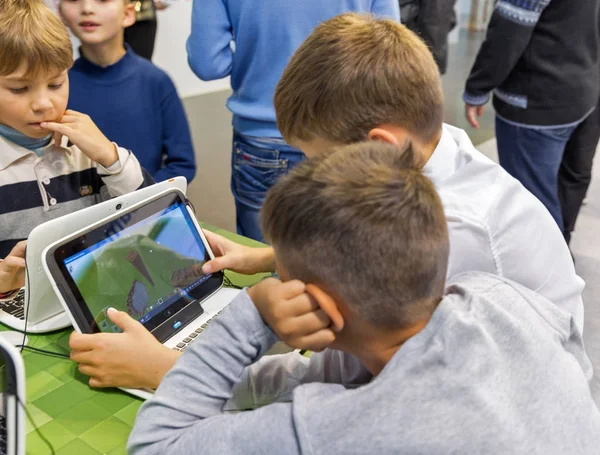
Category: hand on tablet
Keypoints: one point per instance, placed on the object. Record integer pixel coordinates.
(133, 359)
(238, 258)
(12, 269)
(292, 314)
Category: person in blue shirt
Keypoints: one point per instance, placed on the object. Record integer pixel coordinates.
(252, 41)
(132, 101)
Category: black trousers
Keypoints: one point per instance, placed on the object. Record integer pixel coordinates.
(575, 173)
(141, 36)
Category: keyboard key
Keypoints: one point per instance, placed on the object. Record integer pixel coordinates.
(199, 330)
(204, 325)
(12, 309)
(187, 340)
(193, 335)
(180, 345)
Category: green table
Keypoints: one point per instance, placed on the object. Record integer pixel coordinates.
(76, 419)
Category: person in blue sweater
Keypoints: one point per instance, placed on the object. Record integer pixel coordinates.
(264, 37)
(132, 101)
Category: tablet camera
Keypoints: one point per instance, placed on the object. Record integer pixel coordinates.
(119, 206)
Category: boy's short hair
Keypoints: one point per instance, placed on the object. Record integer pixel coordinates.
(31, 33)
(354, 73)
(366, 224)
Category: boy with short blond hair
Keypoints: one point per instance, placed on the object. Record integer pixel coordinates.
(41, 176)
(133, 101)
(364, 233)
(366, 61)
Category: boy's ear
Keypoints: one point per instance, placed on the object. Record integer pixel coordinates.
(129, 14)
(387, 135)
(329, 306)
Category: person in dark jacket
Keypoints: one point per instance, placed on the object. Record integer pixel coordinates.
(432, 20)
(540, 58)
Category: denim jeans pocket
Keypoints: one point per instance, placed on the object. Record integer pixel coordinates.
(255, 171)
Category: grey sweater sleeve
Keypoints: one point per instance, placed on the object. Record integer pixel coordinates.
(186, 413)
(275, 377)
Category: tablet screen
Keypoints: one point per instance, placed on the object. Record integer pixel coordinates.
(148, 264)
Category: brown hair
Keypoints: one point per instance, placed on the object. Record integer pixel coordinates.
(354, 73)
(365, 223)
(31, 33)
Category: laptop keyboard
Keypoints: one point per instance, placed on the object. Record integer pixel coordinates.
(2, 435)
(183, 344)
(15, 306)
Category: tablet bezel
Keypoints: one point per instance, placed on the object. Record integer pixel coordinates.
(166, 323)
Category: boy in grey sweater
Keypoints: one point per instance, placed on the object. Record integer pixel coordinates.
(486, 366)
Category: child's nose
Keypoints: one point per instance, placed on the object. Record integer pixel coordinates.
(41, 103)
(87, 6)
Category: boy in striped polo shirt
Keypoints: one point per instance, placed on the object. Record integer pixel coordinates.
(53, 161)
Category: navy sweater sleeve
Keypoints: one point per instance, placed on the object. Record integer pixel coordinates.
(508, 35)
(176, 140)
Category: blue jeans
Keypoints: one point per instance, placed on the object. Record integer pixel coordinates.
(256, 164)
(533, 156)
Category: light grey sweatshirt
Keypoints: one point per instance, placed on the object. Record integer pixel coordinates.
(497, 370)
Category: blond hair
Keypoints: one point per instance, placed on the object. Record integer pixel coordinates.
(354, 73)
(366, 224)
(31, 34)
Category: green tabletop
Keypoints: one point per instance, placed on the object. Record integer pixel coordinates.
(76, 419)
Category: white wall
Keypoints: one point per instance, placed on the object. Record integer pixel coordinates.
(174, 25)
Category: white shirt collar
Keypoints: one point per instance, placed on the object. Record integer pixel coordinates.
(11, 152)
(443, 162)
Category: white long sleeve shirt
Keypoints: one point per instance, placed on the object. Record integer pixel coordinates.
(497, 226)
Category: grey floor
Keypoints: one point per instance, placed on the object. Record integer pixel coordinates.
(211, 129)
(586, 248)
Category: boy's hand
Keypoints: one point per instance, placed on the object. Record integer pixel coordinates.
(83, 132)
(12, 269)
(132, 359)
(471, 114)
(293, 314)
(238, 258)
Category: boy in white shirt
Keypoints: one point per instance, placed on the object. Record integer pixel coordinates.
(378, 82)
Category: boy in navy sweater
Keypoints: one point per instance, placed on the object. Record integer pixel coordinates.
(266, 34)
(132, 101)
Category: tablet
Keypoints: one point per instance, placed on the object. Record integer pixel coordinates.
(147, 261)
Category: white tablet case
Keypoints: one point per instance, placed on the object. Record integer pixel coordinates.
(45, 313)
